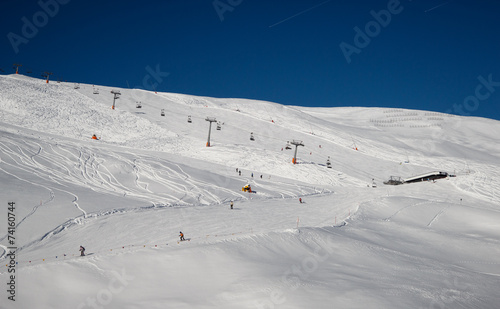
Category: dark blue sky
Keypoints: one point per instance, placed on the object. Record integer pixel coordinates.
(432, 55)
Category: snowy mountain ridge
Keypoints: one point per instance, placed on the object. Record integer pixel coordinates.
(353, 242)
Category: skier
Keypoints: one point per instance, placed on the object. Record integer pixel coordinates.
(260, 176)
(232, 204)
(300, 200)
(82, 251)
(94, 136)
(252, 175)
(239, 173)
(181, 235)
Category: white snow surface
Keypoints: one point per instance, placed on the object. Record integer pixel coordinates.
(126, 196)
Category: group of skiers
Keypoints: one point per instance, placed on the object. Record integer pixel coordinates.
(239, 173)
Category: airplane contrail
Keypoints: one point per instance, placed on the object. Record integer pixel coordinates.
(437, 6)
(299, 13)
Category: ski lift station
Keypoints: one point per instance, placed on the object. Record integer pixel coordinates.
(426, 177)
(396, 180)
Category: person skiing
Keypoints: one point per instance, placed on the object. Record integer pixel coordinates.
(94, 136)
(252, 175)
(82, 251)
(181, 235)
(231, 204)
(300, 200)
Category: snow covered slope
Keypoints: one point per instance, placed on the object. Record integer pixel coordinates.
(126, 196)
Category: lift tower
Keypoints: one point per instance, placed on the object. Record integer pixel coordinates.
(47, 74)
(210, 119)
(297, 144)
(17, 67)
(116, 96)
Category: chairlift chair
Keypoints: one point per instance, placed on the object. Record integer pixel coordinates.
(138, 105)
(328, 163)
(96, 91)
(163, 112)
(76, 86)
(189, 119)
(288, 146)
(218, 126)
(251, 137)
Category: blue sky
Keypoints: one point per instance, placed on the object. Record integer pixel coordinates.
(432, 55)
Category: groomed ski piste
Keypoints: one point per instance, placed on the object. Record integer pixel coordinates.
(352, 243)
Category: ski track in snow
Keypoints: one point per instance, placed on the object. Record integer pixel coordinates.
(94, 174)
(405, 207)
(438, 214)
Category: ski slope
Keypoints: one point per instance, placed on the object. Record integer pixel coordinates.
(126, 196)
